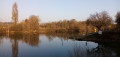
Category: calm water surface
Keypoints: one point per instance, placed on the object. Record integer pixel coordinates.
(42, 45)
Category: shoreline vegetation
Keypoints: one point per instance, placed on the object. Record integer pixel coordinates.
(106, 38)
(86, 29)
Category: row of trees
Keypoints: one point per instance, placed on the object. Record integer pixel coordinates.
(67, 26)
(28, 25)
(97, 21)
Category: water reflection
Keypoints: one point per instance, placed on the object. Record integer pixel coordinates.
(14, 48)
(52, 45)
(102, 51)
(31, 39)
(99, 51)
(64, 36)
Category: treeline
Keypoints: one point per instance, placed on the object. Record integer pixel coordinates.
(98, 21)
(95, 22)
(67, 26)
(27, 26)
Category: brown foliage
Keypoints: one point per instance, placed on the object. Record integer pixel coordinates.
(99, 20)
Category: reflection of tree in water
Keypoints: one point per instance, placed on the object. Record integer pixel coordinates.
(62, 36)
(99, 51)
(14, 48)
(77, 51)
(102, 51)
(50, 38)
(31, 39)
(1, 37)
(65, 36)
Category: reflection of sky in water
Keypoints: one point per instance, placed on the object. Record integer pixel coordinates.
(5, 48)
(47, 47)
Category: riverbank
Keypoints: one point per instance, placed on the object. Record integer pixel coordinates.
(107, 36)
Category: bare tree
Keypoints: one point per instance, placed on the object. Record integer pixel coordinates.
(15, 13)
(118, 20)
(99, 20)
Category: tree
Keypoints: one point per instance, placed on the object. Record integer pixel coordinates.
(73, 26)
(99, 20)
(15, 13)
(118, 20)
(1, 25)
(34, 23)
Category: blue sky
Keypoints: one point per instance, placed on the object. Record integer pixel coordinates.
(55, 10)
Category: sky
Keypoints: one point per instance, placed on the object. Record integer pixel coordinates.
(56, 10)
